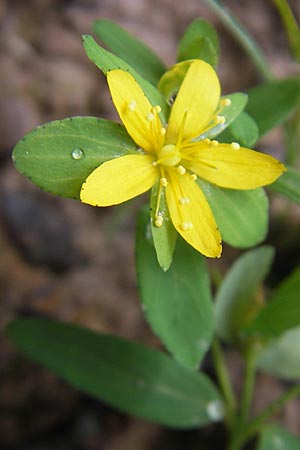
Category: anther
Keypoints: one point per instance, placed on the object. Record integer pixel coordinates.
(158, 221)
(163, 182)
(150, 117)
(186, 226)
(220, 120)
(225, 102)
(184, 200)
(214, 143)
(156, 109)
(131, 106)
(163, 131)
(235, 145)
(193, 177)
(181, 170)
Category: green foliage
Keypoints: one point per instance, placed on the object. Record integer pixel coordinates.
(282, 312)
(164, 237)
(242, 216)
(138, 55)
(176, 303)
(200, 41)
(236, 300)
(127, 375)
(285, 349)
(45, 154)
(106, 61)
(243, 130)
(274, 437)
(270, 103)
(288, 184)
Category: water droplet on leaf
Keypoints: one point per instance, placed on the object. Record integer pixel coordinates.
(215, 410)
(77, 153)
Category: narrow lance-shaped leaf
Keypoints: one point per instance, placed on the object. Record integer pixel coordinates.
(129, 376)
(282, 312)
(235, 300)
(138, 55)
(106, 61)
(60, 155)
(176, 303)
(242, 216)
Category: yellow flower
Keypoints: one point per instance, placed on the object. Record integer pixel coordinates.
(170, 154)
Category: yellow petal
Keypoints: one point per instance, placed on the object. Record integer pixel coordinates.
(118, 180)
(135, 110)
(232, 168)
(191, 214)
(199, 95)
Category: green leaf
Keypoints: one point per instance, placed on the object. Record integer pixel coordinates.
(129, 376)
(138, 55)
(270, 103)
(274, 437)
(281, 357)
(242, 216)
(243, 130)
(164, 237)
(45, 154)
(288, 184)
(106, 61)
(282, 312)
(291, 27)
(235, 300)
(200, 41)
(176, 303)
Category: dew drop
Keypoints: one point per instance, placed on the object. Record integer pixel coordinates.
(215, 410)
(77, 153)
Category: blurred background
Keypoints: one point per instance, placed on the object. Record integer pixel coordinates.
(69, 261)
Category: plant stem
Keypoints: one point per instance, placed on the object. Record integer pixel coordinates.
(258, 422)
(248, 387)
(243, 37)
(224, 380)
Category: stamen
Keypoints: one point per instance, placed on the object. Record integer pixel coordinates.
(184, 200)
(163, 131)
(193, 177)
(235, 146)
(225, 102)
(131, 106)
(214, 143)
(163, 182)
(181, 170)
(159, 221)
(156, 109)
(150, 117)
(186, 226)
(220, 120)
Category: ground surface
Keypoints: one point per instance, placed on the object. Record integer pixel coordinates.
(62, 259)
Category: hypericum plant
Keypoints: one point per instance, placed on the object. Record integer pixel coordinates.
(171, 118)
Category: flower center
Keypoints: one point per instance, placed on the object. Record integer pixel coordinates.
(168, 155)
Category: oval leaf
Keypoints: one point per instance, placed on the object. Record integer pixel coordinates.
(288, 184)
(242, 216)
(176, 303)
(281, 357)
(282, 312)
(138, 55)
(235, 300)
(270, 103)
(200, 41)
(60, 155)
(274, 437)
(129, 376)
